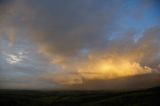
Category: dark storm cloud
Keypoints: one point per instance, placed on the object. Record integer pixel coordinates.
(73, 24)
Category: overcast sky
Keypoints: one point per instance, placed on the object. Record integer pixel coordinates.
(79, 44)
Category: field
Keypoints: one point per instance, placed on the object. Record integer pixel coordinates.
(149, 97)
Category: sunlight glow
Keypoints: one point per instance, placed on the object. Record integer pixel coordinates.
(15, 58)
(109, 69)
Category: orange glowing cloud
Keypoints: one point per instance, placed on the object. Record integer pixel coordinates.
(110, 68)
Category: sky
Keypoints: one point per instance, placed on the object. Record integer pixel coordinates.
(79, 44)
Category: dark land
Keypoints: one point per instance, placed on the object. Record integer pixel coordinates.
(148, 97)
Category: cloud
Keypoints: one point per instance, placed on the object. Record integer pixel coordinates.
(124, 83)
(133, 59)
(111, 67)
(66, 79)
(72, 42)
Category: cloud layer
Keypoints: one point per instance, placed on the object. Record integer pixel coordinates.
(63, 44)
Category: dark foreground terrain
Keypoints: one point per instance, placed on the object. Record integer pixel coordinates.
(149, 97)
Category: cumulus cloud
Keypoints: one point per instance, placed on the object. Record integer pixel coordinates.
(111, 67)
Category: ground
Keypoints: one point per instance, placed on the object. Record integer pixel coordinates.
(149, 97)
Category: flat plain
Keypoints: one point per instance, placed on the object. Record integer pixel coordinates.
(148, 97)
